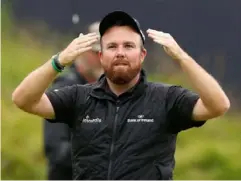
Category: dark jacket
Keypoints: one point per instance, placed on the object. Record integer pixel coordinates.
(57, 144)
(132, 136)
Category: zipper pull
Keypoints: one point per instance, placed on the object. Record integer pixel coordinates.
(118, 102)
(117, 105)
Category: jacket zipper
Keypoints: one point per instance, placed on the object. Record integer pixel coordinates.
(112, 143)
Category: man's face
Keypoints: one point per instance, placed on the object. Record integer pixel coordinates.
(122, 54)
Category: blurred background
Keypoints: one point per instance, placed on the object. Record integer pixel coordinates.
(32, 31)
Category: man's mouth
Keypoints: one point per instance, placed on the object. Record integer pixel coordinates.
(120, 63)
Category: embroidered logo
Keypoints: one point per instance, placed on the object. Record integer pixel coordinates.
(140, 119)
(88, 120)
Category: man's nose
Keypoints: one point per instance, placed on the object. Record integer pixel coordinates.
(120, 52)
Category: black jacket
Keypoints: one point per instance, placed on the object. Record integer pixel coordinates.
(132, 136)
(57, 146)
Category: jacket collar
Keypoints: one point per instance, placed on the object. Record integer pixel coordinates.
(102, 91)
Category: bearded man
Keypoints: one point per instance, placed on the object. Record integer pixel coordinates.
(123, 127)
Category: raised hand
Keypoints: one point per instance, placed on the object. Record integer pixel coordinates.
(77, 47)
(167, 41)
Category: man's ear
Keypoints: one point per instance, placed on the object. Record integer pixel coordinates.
(143, 54)
(100, 56)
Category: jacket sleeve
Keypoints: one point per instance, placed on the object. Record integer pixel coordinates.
(180, 103)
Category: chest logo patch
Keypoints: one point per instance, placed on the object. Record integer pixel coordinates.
(140, 119)
(87, 119)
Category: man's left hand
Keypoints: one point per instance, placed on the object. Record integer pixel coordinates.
(169, 44)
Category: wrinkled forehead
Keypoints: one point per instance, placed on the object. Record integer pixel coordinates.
(120, 34)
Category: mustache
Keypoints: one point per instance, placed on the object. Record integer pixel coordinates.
(121, 62)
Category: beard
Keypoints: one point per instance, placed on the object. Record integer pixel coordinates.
(121, 72)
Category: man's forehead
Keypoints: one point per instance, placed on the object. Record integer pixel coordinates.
(120, 29)
(121, 42)
(121, 34)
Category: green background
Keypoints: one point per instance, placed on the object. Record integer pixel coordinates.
(210, 152)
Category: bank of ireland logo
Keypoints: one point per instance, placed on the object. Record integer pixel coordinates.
(140, 119)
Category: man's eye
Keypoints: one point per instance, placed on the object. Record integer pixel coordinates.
(129, 46)
(111, 46)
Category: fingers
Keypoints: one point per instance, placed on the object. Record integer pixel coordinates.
(159, 37)
(158, 33)
(80, 51)
(151, 31)
(85, 44)
(89, 35)
(80, 48)
(82, 43)
(85, 38)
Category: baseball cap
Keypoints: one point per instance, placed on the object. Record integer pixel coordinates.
(120, 18)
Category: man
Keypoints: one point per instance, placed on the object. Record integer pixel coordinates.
(57, 144)
(123, 127)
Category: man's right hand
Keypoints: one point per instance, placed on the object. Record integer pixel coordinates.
(77, 47)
